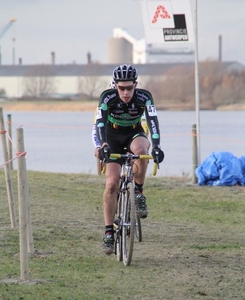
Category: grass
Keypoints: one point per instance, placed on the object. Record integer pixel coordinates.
(193, 242)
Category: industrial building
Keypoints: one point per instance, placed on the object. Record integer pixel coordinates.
(90, 79)
(122, 47)
(76, 79)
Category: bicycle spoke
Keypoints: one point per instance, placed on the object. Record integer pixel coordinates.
(129, 222)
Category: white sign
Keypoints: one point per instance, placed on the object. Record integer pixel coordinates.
(167, 22)
(160, 14)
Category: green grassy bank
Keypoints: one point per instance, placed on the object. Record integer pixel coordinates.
(193, 242)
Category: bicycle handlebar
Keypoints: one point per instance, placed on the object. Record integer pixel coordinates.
(131, 155)
(135, 156)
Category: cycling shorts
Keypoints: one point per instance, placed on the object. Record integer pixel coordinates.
(120, 140)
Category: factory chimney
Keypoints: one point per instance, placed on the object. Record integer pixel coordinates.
(220, 48)
(89, 58)
(53, 58)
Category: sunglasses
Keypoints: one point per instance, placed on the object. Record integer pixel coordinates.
(126, 88)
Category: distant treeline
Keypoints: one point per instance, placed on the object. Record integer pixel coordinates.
(217, 85)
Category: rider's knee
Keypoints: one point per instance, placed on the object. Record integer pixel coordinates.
(111, 185)
(140, 145)
(140, 149)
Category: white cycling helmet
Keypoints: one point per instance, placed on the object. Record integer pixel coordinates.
(125, 73)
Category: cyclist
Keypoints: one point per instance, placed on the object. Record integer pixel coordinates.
(118, 126)
(95, 139)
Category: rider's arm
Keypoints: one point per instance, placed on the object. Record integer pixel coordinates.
(95, 139)
(152, 121)
(101, 120)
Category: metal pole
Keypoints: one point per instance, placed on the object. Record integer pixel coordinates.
(194, 153)
(13, 51)
(197, 93)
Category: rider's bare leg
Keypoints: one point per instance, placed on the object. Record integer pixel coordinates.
(110, 193)
(140, 145)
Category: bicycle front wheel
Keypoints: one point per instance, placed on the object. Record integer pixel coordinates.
(118, 245)
(138, 229)
(129, 223)
(118, 227)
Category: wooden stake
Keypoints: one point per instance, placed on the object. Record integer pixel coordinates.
(10, 146)
(23, 206)
(7, 171)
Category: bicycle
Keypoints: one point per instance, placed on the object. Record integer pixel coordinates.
(128, 224)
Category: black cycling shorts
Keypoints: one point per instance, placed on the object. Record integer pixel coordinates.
(120, 140)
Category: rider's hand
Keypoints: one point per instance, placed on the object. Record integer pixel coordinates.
(158, 154)
(96, 152)
(104, 152)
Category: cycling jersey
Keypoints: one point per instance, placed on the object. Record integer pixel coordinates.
(95, 139)
(114, 113)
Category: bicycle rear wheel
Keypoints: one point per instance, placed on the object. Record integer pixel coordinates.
(129, 223)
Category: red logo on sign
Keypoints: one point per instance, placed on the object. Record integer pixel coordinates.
(160, 12)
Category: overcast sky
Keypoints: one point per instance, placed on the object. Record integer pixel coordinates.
(71, 28)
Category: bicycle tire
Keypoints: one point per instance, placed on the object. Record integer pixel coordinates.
(138, 229)
(129, 223)
(118, 241)
(119, 246)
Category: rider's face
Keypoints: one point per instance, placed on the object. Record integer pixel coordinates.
(126, 90)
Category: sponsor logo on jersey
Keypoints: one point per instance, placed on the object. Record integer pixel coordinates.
(153, 127)
(141, 96)
(109, 97)
(119, 105)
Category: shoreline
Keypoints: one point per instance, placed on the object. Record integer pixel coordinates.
(91, 106)
(49, 105)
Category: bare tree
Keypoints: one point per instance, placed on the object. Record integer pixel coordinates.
(176, 85)
(91, 84)
(218, 85)
(2, 92)
(39, 82)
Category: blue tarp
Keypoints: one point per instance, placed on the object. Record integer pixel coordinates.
(221, 168)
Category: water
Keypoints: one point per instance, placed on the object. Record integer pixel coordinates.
(61, 141)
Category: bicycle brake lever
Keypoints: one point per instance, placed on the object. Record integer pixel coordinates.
(158, 164)
(157, 153)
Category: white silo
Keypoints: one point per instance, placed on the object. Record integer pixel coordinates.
(120, 51)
